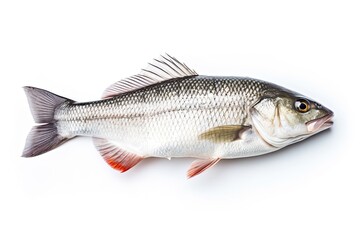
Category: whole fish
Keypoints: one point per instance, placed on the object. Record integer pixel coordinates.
(168, 110)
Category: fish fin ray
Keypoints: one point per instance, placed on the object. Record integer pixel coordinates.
(225, 133)
(162, 69)
(199, 166)
(116, 157)
(43, 103)
(42, 139)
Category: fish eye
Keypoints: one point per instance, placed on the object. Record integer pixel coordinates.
(302, 105)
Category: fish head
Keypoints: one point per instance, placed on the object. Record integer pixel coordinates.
(283, 117)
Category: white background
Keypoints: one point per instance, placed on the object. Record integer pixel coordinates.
(77, 48)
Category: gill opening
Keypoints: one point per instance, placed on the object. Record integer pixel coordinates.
(277, 119)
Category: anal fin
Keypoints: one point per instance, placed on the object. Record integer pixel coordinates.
(200, 166)
(116, 157)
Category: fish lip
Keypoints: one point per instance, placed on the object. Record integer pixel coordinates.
(322, 123)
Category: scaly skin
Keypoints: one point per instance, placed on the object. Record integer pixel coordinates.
(166, 119)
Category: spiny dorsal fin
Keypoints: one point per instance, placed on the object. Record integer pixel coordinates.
(164, 68)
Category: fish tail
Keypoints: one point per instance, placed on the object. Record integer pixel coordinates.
(44, 137)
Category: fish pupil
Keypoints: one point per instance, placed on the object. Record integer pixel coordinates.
(302, 106)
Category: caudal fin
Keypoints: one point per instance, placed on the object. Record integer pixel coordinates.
(44, 137)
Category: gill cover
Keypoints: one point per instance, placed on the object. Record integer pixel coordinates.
(280, 121)
(266, 117)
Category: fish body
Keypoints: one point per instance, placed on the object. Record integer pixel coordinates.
(166, 120)
(170, 111)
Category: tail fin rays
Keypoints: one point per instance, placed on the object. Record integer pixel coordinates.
(44, 137)
(43, 103)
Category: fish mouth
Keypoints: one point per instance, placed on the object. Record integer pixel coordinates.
(320, 124)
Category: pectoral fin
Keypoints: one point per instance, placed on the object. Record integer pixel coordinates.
(226, 133)
(199, 166)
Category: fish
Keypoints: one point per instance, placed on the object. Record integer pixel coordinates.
(170, 111)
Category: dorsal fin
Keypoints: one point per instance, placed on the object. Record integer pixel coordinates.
(164, 68)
